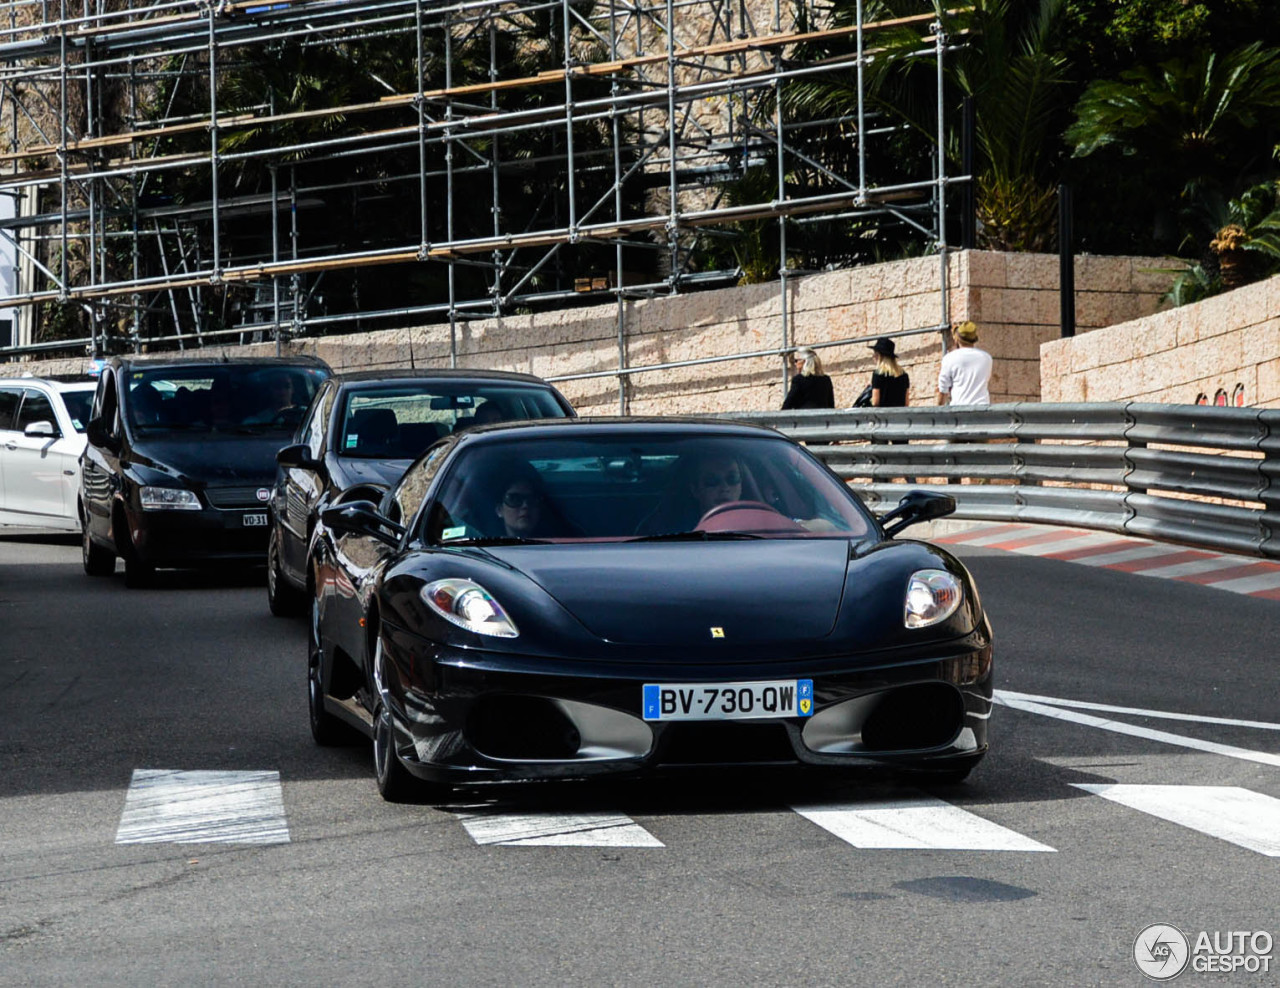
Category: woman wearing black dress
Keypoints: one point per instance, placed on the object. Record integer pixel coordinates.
(889, 382)
(810, 387)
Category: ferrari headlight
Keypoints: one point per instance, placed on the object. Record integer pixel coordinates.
(168, 499)
(932, 596)
(470, 606)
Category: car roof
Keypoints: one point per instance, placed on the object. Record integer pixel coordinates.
(79, 384)
(168, 360)
(621, 425)
(397, 375)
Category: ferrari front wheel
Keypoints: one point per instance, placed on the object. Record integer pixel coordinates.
(395, 782)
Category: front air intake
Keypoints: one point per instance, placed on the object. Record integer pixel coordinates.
(524, 728)
(919, 717)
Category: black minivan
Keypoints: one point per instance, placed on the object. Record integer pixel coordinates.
(181, 458)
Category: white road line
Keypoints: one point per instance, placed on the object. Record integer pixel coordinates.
(1230, 751)
(1248, 819)
(1196, 566)
(165, 806)
(1128, 555)
(924, 822)
(1054, 701)
(995, 537)
(557, 830)
(1065, 545)
(1248, 584)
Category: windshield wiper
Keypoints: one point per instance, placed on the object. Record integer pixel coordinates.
(697, 537)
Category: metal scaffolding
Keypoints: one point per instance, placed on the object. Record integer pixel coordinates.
(185, 173)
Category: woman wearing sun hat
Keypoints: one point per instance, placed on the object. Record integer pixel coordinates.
(889, 382)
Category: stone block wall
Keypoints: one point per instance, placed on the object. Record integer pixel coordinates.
(1228, 345)
(1012, 297)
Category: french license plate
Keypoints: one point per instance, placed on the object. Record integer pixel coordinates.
(255, 519)
(728, 701)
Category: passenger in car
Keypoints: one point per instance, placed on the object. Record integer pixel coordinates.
(145, 401)
(526, 511)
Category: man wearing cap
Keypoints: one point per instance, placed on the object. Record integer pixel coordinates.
(965, 371)
(889, 382)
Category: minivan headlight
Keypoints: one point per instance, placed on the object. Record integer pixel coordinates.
(168, 499)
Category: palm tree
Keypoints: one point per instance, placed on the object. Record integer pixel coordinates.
(1010, 64)
(1244, 244)
(1206, 119)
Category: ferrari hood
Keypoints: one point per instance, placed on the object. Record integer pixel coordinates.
(693, 593)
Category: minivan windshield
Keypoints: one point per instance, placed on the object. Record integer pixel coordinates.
(233, 399)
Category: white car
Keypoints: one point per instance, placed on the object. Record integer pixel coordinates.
(42, 427)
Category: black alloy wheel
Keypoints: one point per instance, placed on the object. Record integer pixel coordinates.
(394, 781)
(97, 560)
(282, 597)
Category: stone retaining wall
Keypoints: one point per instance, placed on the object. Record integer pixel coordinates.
(1225, 347)
(1012, 297)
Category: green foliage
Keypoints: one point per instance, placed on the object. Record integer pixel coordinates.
(1199, 110)
(1239, 242)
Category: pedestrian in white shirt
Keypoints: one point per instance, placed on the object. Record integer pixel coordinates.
(965, 371)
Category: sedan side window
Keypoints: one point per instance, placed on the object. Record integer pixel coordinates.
(36, 407)
(9, 399)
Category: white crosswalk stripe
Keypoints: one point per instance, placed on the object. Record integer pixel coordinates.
(173, 807)
(188, 807)
(1241, 816)
(557, 830)
(915, 822)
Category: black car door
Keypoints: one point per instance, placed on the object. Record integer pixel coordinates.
(100, 462)
(304, 489)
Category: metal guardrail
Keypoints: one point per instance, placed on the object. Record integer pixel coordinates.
(1197, 475)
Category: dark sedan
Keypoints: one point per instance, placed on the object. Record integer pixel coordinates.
(365, 429)
(590, 597)
(181, 457)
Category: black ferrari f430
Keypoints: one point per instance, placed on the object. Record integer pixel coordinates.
(575, 598)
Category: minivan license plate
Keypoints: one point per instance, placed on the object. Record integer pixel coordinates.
(255, 519)
(728, 701)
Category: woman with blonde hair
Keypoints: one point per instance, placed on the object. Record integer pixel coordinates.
(810, 387)
(889, 382)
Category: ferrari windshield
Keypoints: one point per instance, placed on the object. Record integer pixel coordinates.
(240, 399)
(640, 486)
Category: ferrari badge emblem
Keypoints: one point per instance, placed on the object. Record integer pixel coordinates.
(804, 706)
(717, 632)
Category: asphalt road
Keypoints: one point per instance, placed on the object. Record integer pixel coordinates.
(736, 886)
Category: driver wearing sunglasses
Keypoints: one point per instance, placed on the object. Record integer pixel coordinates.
(716, 481)
(520, 509)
